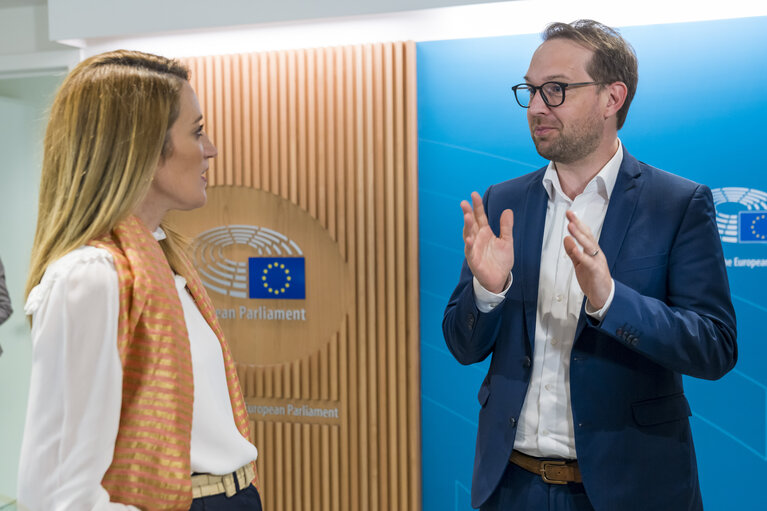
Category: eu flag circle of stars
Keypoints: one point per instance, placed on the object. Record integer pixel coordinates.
(755, 231)
(279, 268)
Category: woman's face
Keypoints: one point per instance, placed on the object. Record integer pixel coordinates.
(180, 179)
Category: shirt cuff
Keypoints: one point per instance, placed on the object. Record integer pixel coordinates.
(487, 300)
(599, 315)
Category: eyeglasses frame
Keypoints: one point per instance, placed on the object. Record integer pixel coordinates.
(539, 88)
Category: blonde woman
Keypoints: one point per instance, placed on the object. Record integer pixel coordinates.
(134, 400)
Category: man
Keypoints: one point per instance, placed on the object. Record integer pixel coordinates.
(594, 283)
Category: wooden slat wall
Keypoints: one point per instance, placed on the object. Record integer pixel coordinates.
(334, 131)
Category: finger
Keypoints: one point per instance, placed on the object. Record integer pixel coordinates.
(507, 225)
(576, 222)
(479, 210)
(585, 240)
(571, 249)
(469, 226)
(581, 233)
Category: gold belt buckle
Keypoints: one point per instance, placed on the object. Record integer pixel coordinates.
(545, 465)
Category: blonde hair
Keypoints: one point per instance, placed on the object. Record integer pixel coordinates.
(108, 130)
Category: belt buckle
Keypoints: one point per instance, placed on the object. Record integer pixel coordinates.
(545, 465)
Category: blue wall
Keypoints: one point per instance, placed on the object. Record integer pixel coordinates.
(699, 112)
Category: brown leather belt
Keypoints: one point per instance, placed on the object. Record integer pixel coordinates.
(551, 471)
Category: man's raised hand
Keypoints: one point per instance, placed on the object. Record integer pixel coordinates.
(489, 257)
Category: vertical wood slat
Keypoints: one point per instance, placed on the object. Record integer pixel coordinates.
(401, 268)
(354, 416)
(412, 314)
(334, 132)
(380, 215)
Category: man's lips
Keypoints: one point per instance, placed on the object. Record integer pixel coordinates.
(543, 130)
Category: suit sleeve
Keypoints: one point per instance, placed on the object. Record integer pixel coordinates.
(693, 330)
(470, 334)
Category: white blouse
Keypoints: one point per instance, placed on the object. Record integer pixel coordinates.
(75, 394)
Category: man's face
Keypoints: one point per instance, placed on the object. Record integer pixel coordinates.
(573, 130)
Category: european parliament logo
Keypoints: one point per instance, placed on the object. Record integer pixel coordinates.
(276, 270)
(741, 214)
(277, 277)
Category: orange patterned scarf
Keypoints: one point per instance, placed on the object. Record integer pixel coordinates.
(150, 468)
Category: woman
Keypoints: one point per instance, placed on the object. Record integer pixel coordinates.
(134, 399)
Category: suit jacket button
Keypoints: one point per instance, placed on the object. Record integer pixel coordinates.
(513, 422)
(526, 363)
(470, 321)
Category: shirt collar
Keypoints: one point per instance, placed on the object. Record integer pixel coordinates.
(604, 181)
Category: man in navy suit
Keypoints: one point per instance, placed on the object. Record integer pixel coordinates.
(595, 283)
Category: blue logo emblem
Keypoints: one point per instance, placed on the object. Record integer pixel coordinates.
(753, 227)
(277, 277)
(741, 214)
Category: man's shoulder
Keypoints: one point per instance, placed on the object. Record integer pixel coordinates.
(519, 184)
(658, 179)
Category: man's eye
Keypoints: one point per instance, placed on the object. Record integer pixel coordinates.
(553, 88)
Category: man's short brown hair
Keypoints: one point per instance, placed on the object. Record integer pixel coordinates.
(614, 59)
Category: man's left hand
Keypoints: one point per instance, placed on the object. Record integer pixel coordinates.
(589, 262)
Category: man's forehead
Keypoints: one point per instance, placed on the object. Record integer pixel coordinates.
(559, 59)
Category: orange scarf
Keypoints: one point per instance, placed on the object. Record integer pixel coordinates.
(151, 468)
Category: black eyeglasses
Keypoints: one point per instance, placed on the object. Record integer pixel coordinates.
(552, 93)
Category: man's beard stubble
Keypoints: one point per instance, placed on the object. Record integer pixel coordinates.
(571, 145)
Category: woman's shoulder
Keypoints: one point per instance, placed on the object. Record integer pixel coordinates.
(85, 266)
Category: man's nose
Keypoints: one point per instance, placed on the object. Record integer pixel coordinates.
(537, 104)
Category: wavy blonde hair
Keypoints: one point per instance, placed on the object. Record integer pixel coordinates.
(108, 130)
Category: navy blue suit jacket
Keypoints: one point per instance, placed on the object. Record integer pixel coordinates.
(671, 315)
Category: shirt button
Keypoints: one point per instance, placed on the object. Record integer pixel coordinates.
(558, 298)
(554, 342)
(547, 387)
(545, 433)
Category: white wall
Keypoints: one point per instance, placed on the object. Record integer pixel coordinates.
(23, 103)
(25, 46)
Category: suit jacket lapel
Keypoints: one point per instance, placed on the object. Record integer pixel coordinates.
(529, 248)
(620, 211)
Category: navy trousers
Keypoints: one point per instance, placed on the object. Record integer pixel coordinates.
(520, 490)
(247, 499)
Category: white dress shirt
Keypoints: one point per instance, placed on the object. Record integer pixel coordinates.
(545, 426)
(75, 395)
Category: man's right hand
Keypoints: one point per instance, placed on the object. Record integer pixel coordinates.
(490, 258)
